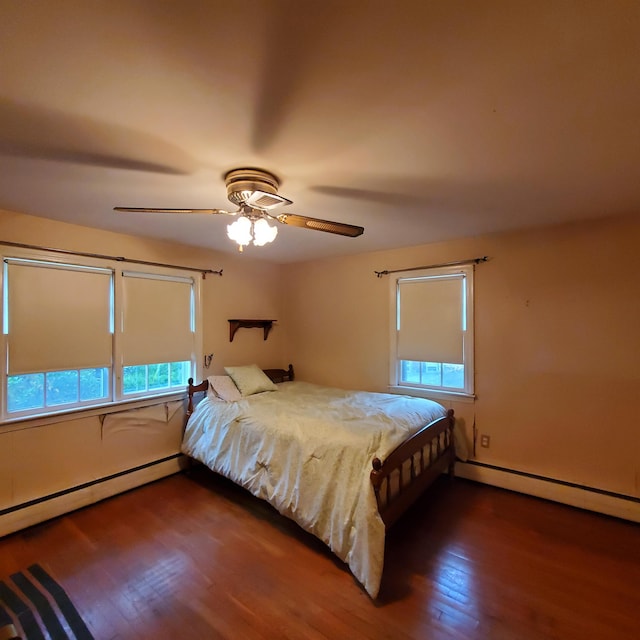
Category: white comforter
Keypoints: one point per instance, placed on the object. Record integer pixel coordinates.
(307, 450)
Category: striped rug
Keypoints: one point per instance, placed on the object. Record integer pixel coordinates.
(39, 608)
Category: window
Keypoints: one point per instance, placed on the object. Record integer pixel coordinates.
(82, 335)
(54, 389)
(158, 330)
(432, 330)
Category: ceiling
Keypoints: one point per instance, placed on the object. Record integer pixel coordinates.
(420, 121)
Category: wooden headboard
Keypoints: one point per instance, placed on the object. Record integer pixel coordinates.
(276, 375)
(280, 375)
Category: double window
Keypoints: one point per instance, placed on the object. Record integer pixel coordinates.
(432, 330)
(80, 335)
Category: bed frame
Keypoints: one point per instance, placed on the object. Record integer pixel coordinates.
(407, 471)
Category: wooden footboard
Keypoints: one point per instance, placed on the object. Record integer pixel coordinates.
(412, 467)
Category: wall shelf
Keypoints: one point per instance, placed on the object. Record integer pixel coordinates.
(235, 324)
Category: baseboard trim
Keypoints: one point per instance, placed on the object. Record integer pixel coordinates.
(606, 502)
(47, 507)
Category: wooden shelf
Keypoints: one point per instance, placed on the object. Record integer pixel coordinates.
(235, 324)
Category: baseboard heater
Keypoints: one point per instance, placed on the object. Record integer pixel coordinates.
(576, 495)
(55, 504)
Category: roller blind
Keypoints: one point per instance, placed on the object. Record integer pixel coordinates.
(157, 319)
(430, 319)
(58, 317)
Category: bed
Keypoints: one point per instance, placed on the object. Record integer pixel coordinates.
(344, 465)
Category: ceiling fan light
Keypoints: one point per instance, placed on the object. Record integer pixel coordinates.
(240, 231)
(263, 232)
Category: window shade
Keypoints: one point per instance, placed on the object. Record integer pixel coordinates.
(156, 323)
(59, 317)
(430, 319)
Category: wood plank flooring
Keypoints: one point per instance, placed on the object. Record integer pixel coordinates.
(193, 556)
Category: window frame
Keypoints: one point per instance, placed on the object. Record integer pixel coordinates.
(116, 395)
(433, 391)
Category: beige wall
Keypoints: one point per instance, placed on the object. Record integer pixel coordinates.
(248, 288)
(39, 458)
(557, 343)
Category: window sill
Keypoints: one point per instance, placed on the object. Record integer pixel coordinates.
(28, 422)
(433, 394)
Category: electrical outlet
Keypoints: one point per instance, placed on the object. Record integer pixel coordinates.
(484, 441)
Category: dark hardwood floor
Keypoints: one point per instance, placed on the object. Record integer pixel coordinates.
(193, 556)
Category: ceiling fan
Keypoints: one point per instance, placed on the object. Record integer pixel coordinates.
(255, 192)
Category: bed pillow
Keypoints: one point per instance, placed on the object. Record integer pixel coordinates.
(250, 379)
(211, 394)
(223, 388)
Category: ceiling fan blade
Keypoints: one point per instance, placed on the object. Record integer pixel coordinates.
(338, 228)
(152, 210)
(35, 132)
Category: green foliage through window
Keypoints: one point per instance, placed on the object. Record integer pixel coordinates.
(56, 389)
(147, 377)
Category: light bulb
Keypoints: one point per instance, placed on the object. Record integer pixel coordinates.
(263, 232)
(240, 231)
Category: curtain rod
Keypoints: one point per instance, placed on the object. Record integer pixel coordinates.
(457, 263)
(105, 257)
